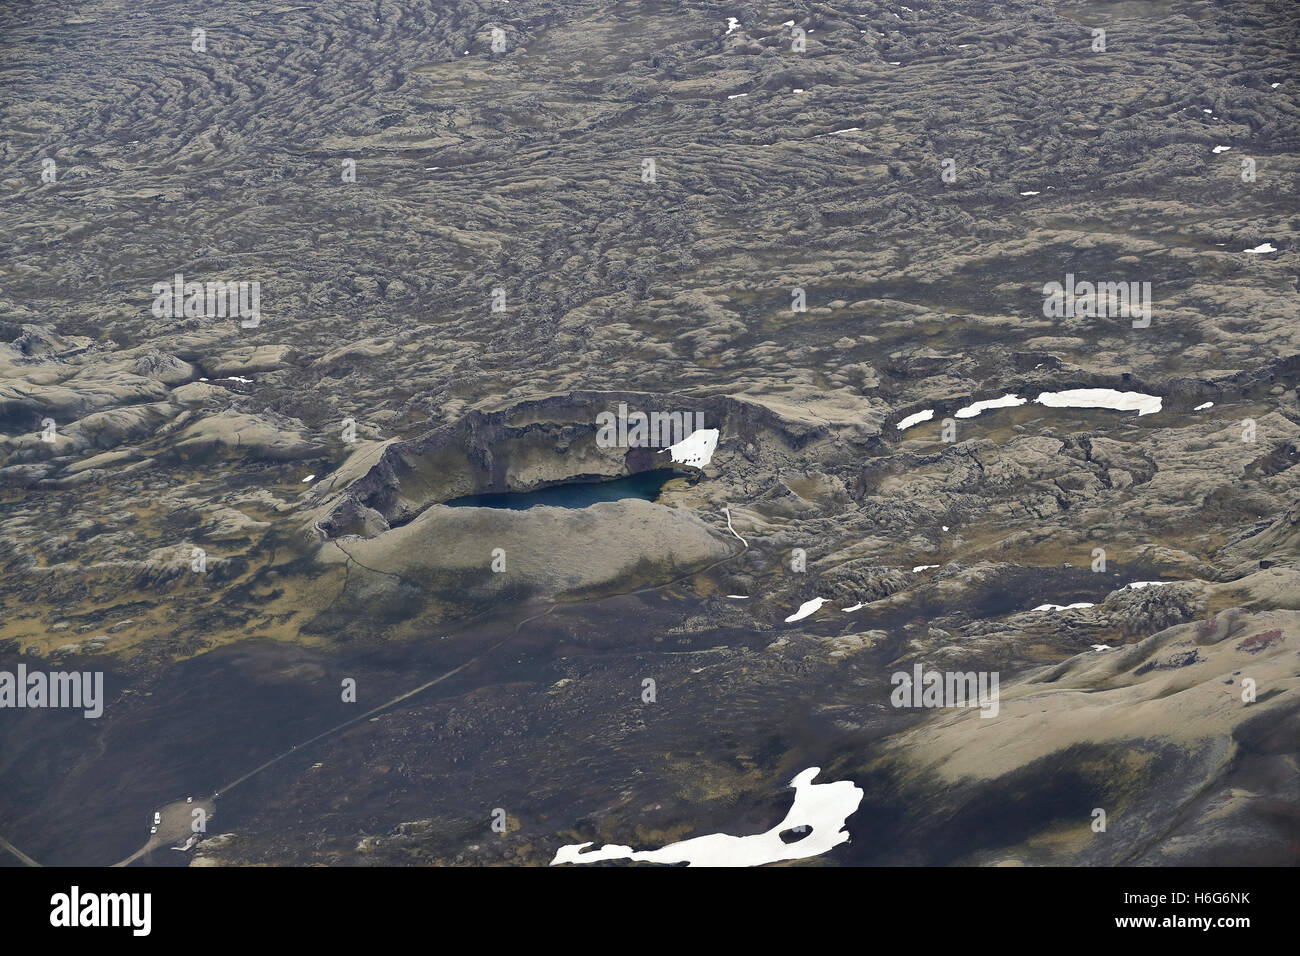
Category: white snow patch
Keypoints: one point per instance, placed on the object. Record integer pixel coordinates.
(736, 96)
(1221, 149)
(732, 23)
(856, 607)
(1031, 192)
(805, 609)
(1101, 398)
(1006, 401)
(1063, 607)
(1139, 585)
(696, 449)
(308, 478)
(727, 511)
(1266, 247)
(1201, 408)
(824, 807)
(924, 567)
(916, 419)
(739, 597)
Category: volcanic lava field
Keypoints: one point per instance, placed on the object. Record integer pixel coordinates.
(990, 312)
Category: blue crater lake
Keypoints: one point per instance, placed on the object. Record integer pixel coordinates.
(579, 494)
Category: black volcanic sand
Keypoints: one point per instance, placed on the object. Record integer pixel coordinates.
(471, 742)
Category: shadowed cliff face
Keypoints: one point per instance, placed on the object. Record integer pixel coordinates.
(832, 231)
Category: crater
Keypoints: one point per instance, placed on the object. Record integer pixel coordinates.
(456, 515)
(539, 443)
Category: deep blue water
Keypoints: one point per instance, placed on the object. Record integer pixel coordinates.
(645, 485)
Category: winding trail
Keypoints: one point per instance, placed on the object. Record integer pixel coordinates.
(176, 815)
(27, 860)
(456, 670)
(380, 708)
